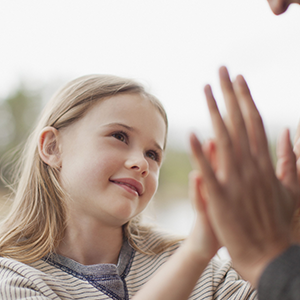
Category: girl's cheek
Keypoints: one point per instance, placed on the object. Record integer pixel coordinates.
(155, 183)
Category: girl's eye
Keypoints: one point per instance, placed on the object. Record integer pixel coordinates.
(121, 136)
(153, 155)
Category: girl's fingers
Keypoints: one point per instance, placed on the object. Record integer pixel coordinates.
(297, 135)
(202, 235)
(205, 168)
(297, 150)
(210, 152)
(235, 124)
(286, 164)
(194, 191)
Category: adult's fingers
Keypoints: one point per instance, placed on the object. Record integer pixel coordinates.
(236, 124)
(254, 124)
(225, 153)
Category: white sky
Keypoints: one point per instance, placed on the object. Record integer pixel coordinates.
(174, 47)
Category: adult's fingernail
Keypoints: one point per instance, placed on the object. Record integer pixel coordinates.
(207, 90)
(223, 72)
(240, 80)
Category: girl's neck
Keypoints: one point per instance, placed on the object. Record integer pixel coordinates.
(90, 243)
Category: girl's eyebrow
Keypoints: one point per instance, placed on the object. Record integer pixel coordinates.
(120, 124)
(132, 129)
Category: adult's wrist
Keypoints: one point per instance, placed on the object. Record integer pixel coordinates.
(252, 266)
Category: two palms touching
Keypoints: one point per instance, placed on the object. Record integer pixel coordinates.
(244, 203)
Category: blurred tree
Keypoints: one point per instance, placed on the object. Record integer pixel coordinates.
(173, 182)
(174, 175)
(18, 113)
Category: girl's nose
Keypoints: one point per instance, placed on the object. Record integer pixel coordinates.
(138, 163)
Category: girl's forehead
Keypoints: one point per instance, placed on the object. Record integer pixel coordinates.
(132, 110)
(129, 105)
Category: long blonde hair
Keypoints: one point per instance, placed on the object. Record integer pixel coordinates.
(36, 223)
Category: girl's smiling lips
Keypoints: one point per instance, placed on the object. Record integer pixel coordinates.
(133, 184)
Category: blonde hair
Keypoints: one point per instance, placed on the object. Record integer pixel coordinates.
(36, 223)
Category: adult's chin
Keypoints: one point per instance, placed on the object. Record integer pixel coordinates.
(278, 7)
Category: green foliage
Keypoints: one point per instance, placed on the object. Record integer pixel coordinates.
(175, 171)
(174, 176)
(175, 168)
(18, 113)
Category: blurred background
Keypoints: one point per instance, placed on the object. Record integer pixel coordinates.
(174, 47)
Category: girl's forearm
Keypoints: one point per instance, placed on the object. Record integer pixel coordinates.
(177, 278)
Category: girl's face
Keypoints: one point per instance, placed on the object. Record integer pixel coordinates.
(110, 159)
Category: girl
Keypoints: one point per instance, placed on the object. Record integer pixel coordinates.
(89, 169)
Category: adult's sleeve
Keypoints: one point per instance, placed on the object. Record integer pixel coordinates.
(281, 279)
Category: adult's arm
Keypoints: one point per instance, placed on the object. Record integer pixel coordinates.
(281, 278)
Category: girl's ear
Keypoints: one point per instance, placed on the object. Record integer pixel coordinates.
(49, 148)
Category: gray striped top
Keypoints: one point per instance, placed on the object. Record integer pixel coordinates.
(58, 277)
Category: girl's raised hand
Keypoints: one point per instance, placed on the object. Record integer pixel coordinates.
(202, 240)
(249, 208)
(185, 266)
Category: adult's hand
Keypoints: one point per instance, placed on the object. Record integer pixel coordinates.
(249, 208)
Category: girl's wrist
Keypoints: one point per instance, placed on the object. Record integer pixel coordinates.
(195, 254)
(200, 244)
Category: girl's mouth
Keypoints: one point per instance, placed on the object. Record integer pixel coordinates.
(129, 184)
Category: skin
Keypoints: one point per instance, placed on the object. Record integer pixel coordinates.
(93, 156)
(185, 266)
(280, 6)
(242, 153)
(119, 139)
(297, 149)
(242, 140)
(296, 219)
(250, 207)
